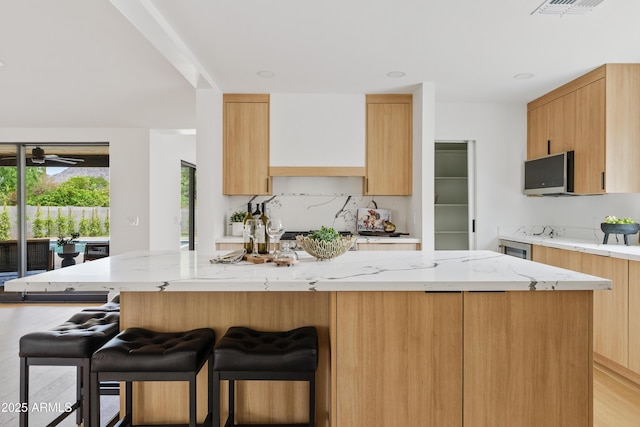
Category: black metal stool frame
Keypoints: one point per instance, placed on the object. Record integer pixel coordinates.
(233, 376)
(80, 407)
(130, 377)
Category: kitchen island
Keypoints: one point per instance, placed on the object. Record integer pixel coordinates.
(445, 338)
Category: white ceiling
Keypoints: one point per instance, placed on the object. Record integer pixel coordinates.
(134, 63)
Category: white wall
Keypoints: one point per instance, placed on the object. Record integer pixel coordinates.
(168, 149)
(211, 206)
(129, 176)
(422, 216)
(500, 132)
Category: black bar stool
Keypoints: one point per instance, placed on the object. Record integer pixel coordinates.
(69, 344)
(138, 354)
(246, 354)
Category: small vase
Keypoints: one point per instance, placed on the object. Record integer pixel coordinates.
(68, 249)
(237, 228)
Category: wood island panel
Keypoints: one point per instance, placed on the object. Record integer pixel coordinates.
(257, 401)
(528, 359)
(398, 359)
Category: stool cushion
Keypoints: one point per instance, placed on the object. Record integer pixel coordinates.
(143, 350)
(79, 336)
(244, 349)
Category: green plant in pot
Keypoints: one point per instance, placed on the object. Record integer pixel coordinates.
(68, 244)
(237, 222)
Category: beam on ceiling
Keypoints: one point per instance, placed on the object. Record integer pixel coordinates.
(147, 19)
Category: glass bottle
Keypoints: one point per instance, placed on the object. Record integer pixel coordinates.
(263, 239)
(246, 239)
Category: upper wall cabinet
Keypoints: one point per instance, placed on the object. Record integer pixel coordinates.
(596, 116)
(389, 145)
(246, 145)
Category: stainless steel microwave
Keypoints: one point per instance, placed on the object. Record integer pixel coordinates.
(550, 175)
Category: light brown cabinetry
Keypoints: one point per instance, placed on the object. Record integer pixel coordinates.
(246, 145)
(389, 145)
(398, 359)
(552, 127)
(634, 316)
(524, 354)
(596, 116)
(616, 312)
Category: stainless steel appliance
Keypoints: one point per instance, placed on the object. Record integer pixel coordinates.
(516, 249)
(550, 175)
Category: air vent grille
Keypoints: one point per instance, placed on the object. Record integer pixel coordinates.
(570, 7)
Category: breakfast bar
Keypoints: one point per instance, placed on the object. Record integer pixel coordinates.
(444, 338)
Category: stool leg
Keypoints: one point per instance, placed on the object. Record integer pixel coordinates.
(94, 395)
(24, 392)
(231, 420)
(216, 397)
(312, 400)
(193, 397)
(128, 399)
(85, 388)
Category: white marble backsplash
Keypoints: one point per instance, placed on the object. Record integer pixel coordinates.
(301, 209)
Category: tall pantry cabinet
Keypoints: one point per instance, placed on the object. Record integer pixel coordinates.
(454, 191)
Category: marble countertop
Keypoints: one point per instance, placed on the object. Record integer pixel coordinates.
(588, 241)
(353, 271)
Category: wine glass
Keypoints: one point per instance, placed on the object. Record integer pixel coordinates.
(253, 227)
(275, 229)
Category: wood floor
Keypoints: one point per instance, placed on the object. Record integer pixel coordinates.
(616, 401)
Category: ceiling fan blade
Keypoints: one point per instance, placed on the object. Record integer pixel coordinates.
(71, 159)
(61, 160)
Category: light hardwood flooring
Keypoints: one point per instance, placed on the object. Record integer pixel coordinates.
(616, 400)
(49, 385)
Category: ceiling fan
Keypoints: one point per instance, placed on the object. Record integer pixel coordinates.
(38, 157)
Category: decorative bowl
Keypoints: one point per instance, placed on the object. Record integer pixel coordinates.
(624, 229)
(619, 228)
(323, 250)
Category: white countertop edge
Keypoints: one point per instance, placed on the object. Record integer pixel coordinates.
(207, 286)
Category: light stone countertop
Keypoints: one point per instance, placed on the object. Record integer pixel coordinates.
(579, 240)
(353, 271)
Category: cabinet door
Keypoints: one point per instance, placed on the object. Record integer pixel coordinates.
(389, 145)
(562, 123)
(527, 359)
(590, 139)
(634, 316)
(557, 257)
(537, 132)
(246, 145)
(610, 310)
(398, 359)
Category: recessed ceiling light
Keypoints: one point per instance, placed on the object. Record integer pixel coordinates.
(396, 74)
(265, 73)
(523, 76)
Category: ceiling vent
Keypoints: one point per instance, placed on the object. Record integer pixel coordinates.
(569, 7)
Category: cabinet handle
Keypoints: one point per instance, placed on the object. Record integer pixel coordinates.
(366, 185)
(473, 225)
(267, 184)
(602, 180)
(548, 146)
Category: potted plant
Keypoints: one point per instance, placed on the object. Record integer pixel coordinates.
(237, 222)
(68, 244)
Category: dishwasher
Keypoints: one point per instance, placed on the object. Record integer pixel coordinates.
(516, 249)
